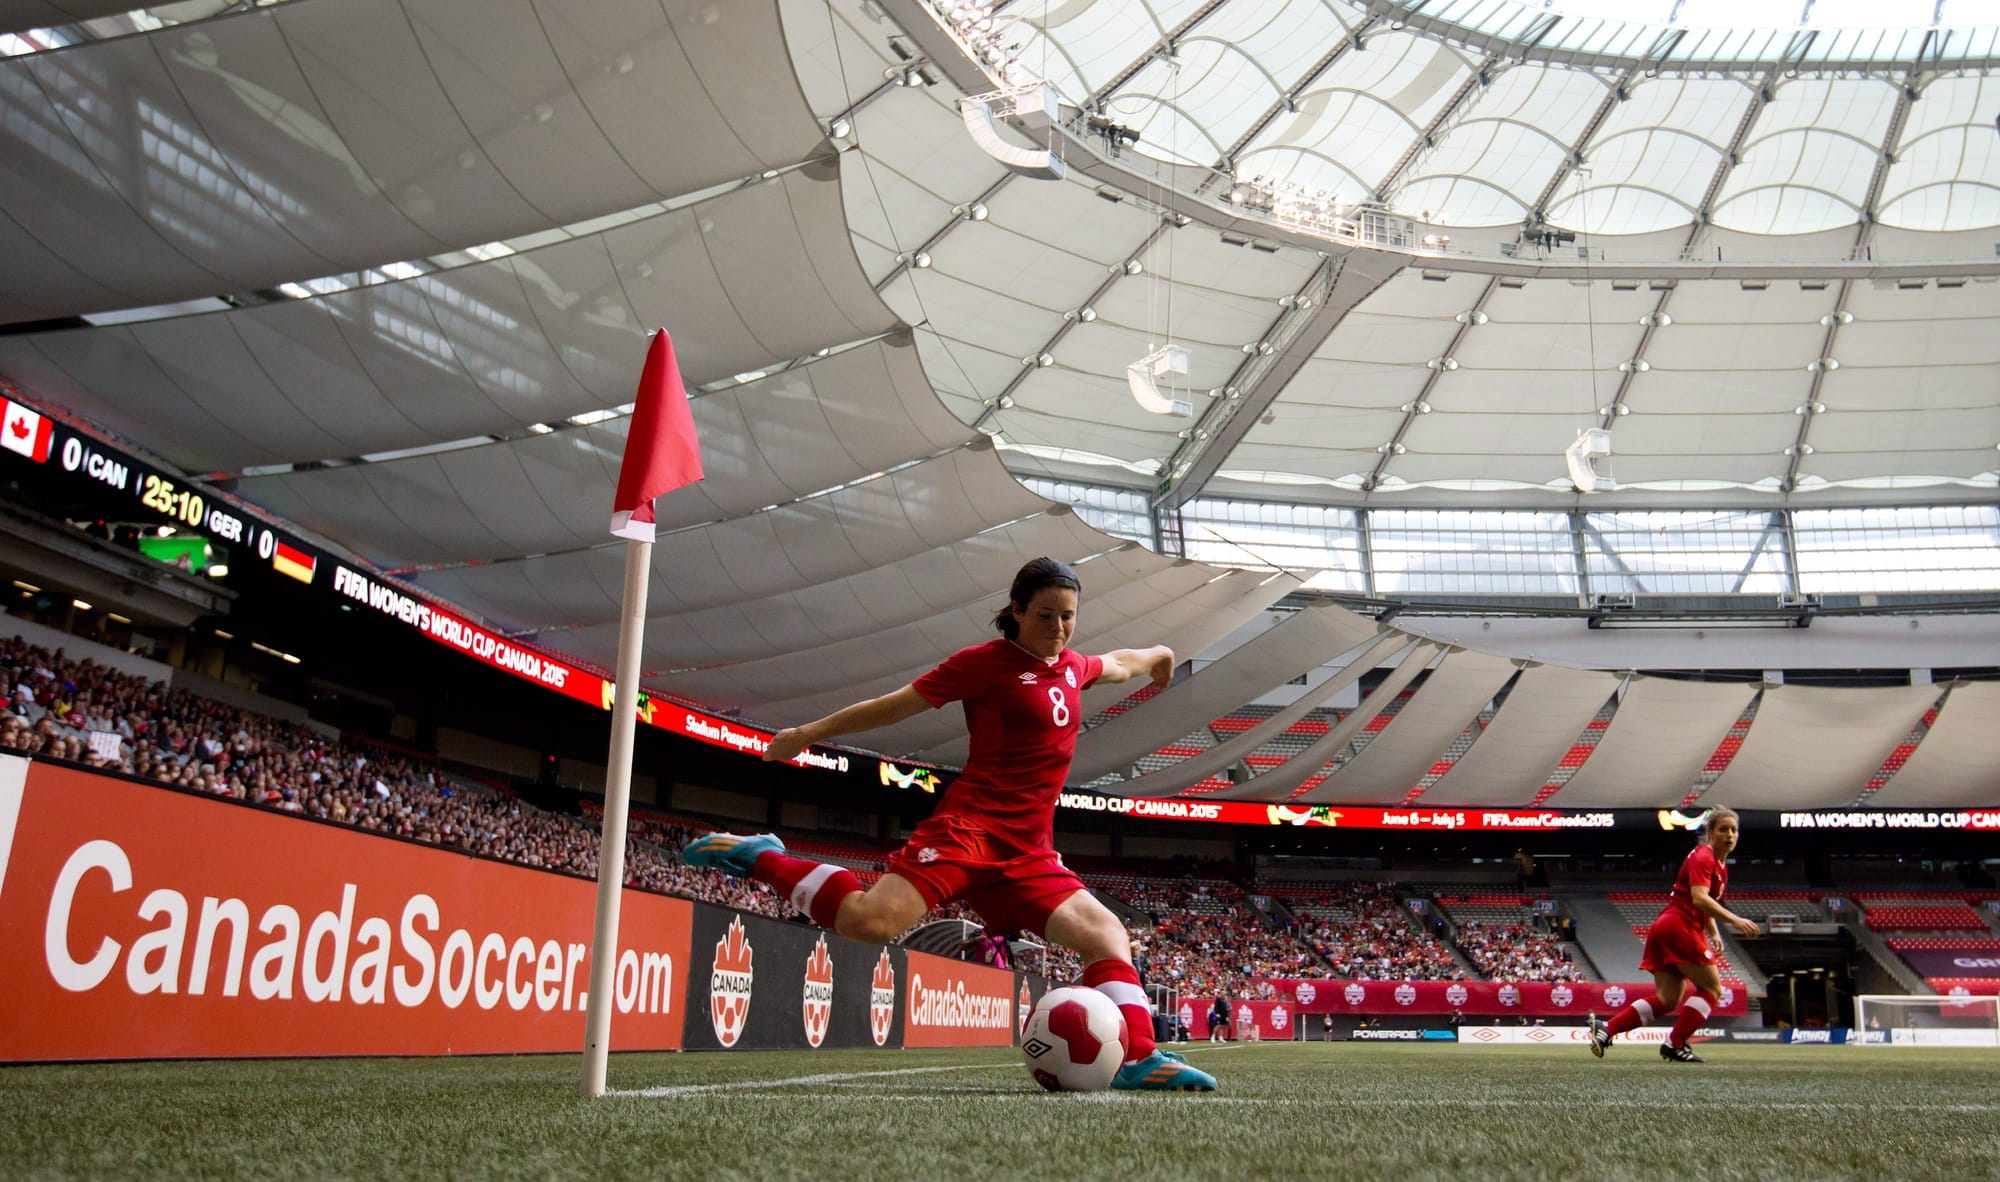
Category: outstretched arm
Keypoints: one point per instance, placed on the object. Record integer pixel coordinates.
(887, 710)
(1126, 663)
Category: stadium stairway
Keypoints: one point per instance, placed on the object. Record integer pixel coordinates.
(1877, 946)
(1449, 937)
(1606, 938)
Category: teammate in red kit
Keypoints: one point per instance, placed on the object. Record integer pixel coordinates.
(1681, 946)
(991, 841)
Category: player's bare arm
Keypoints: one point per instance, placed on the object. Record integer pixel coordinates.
(1127, 663)
(1716, 911)
(887, 710)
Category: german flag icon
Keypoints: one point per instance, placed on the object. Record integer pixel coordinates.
(296, 563)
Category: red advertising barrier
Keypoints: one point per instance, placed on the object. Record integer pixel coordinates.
(1530, 999)
(954, 1004)
(139, 922)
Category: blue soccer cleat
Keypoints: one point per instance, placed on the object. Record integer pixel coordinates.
(1162, 1071)
(732, 853)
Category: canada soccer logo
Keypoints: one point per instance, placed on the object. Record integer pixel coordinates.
(1725, 997)
(1280, 1017)
(1069, 675)
(1024, 1007)
(1244, 1017)
(819, 993)
(729, 984)
(1306, 993)
(1561, 995)
(1355, 993)
(882, 999)
(1456, 994)
(1614, 995)
(1187, 1016)
(1406, 994)
(1510, 995)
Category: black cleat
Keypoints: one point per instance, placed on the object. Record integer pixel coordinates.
(1600, 1038)
(1679, 1054)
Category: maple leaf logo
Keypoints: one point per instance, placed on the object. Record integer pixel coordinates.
(882, 999)
(818, 992)
(19, 427)
(729, 983)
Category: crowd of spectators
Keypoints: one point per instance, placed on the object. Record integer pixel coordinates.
(1362, 931)
(1206, 938)
(1516, 952)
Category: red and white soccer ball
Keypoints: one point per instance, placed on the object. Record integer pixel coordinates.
(1074, 1040)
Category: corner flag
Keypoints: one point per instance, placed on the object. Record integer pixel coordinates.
(661, 451)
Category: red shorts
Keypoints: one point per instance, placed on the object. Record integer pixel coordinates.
(952, 857)
(1672, 941)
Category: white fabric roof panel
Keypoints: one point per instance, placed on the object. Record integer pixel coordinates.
(766, 688)
(215, 165)
(949, 578)
(1280, 782)
(1662, 735)
(1817, 746)
(1306, 640)
(1183, 774)
(1958, 761)
(1396, 760)
(759, 276)
(1535, 727)
(875, 523)
(785, 436)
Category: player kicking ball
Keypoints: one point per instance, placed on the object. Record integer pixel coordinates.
(991, 841)
(1681, 946)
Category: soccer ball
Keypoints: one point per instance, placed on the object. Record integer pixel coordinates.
(1074, 1040)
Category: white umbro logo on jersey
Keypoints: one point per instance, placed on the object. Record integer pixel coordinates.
(1027, 679)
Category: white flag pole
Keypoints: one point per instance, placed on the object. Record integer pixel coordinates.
(617, 798)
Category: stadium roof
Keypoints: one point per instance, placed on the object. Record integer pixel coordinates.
(388, 266)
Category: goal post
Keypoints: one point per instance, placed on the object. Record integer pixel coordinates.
(1946, 1020)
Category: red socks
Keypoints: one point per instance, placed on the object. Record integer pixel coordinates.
(1694, 1011)
(1119, 981)
(816, 888)
(1639, 1013)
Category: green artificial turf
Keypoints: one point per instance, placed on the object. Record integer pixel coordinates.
(1286, 1110)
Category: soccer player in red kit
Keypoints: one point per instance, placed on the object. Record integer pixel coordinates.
(1681, 946)
(991, 841)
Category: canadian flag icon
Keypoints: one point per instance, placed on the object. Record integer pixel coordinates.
(27, 432)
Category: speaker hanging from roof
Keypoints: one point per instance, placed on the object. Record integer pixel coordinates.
(1034, 106)
(1589, 460)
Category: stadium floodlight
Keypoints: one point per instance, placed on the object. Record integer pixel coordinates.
(1143, 377)
(1589, 460)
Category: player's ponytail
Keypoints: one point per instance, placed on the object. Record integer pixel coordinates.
(1714, 814)
(1037, 574)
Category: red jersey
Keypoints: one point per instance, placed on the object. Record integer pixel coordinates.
(1704, 868)
(1023, 715)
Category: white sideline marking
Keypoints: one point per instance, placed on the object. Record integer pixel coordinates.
(794, 1082)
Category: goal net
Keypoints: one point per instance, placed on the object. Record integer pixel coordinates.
(1951, 1020)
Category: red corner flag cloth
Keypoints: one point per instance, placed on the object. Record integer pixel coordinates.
(661, 451)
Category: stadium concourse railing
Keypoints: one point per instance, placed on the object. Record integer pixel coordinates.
(139, 921)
